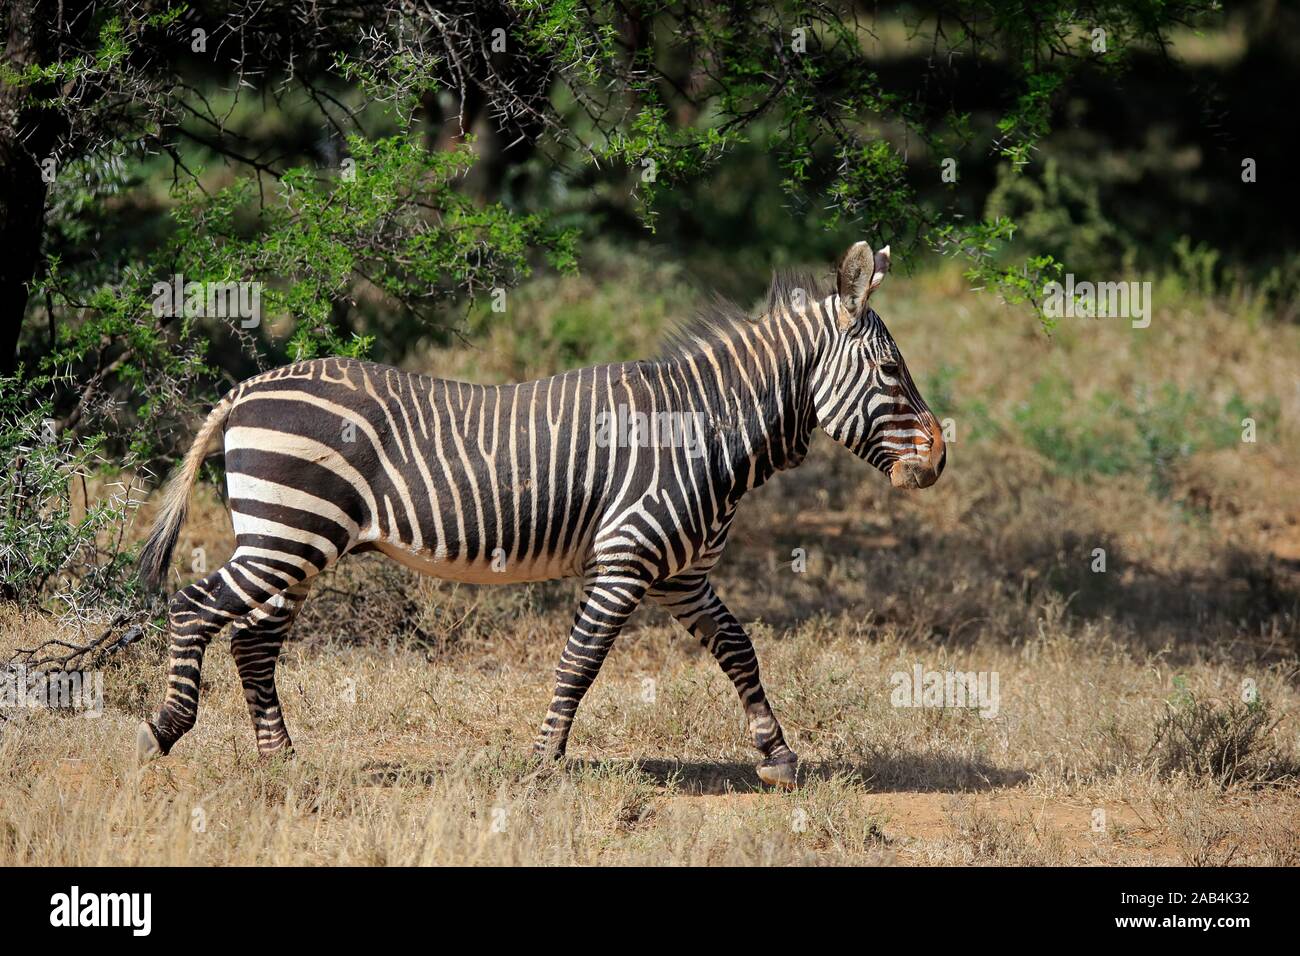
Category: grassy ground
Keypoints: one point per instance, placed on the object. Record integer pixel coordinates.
(1120, 735)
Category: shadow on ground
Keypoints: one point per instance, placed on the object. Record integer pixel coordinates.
(1241, 603)
(909, 773)
(886, 775)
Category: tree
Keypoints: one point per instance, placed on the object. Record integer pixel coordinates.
(657, 91)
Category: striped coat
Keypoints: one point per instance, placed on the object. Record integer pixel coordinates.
(626, 475)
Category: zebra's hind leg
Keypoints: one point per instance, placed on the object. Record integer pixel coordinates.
(692, 601)
(239, 589)
(255, 645)
(607, 602)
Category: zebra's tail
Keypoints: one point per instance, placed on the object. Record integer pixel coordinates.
(157, 553)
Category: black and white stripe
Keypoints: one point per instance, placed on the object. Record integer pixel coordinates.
(515, 483)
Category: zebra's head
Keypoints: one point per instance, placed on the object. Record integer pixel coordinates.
(863, 395)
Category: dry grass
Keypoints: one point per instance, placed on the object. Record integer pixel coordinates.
(413, 701)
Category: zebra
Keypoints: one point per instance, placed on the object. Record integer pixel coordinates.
(528, 482)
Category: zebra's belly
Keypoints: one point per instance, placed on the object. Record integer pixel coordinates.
(479, 571)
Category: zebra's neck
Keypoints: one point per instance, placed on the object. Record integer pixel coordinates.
(752, 384)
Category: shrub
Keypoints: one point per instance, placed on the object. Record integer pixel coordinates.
(57, 546)
(1225, 744)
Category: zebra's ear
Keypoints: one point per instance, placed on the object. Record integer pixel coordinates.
(860, 272)
(881, 266)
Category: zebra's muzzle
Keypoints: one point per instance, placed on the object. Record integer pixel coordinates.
(912, 473)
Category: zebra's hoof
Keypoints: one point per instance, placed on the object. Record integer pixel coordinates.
(146, 743)
(544, 755)
(779, 771)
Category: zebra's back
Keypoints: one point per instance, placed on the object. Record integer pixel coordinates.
(467, 482)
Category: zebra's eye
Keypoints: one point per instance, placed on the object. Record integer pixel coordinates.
(889, 368)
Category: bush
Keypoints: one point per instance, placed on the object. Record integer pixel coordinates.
(1223, 744)
(56, 546)
(1059, 214)
(1150, 435)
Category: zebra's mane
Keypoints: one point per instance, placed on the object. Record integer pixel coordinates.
(721, 320)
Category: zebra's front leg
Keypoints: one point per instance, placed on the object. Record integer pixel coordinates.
(240, 591)
(197, 613)
(693, 602)
(255, 645)
(191, 625)
(607, 602)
